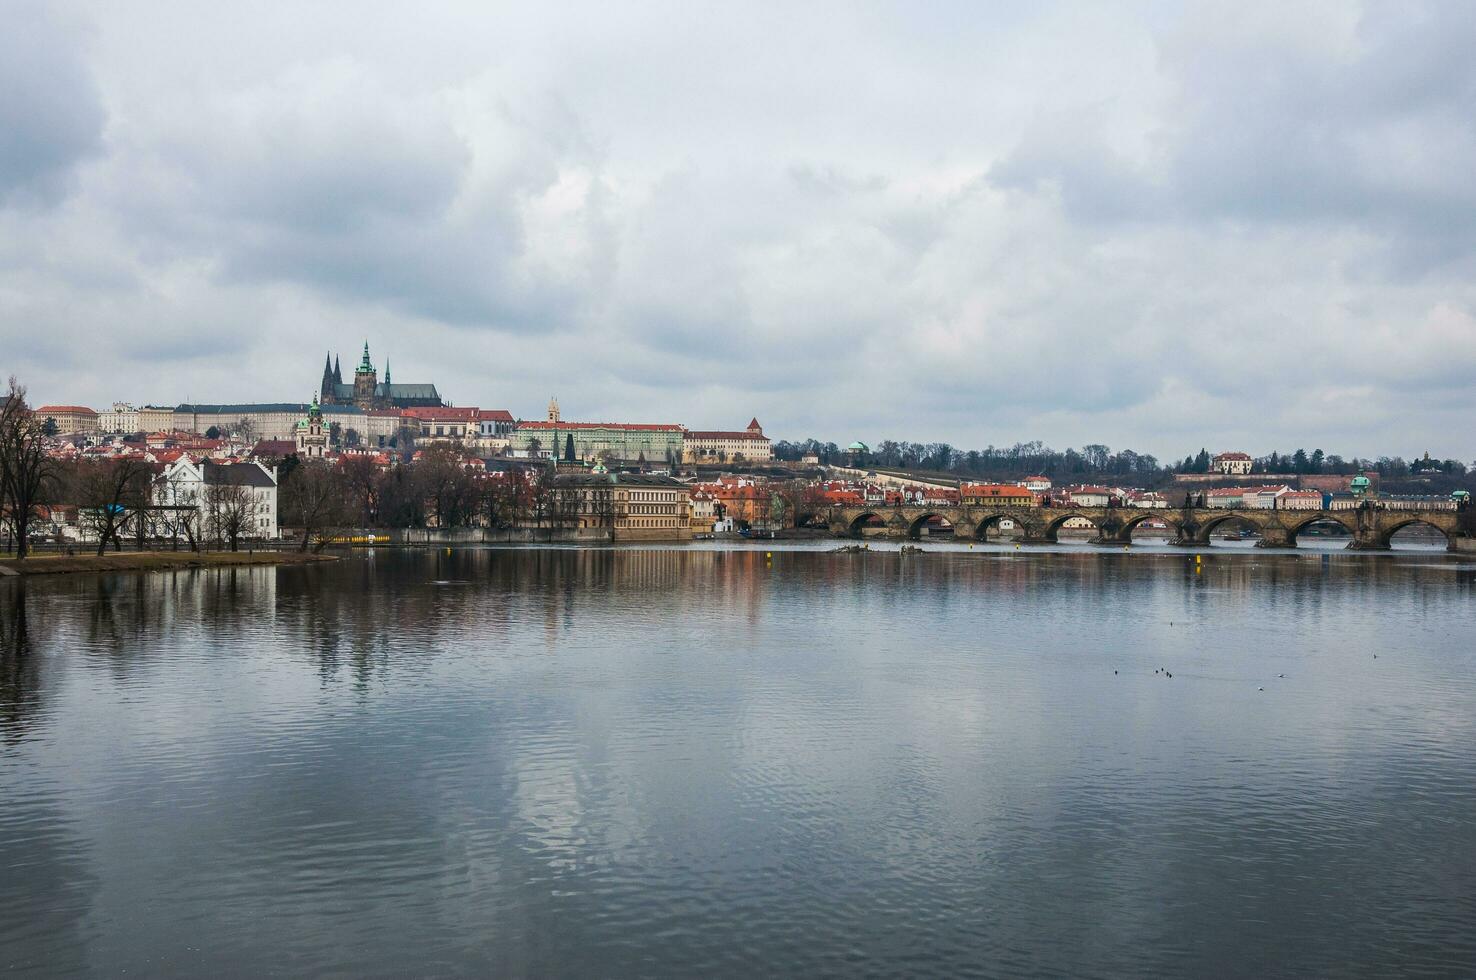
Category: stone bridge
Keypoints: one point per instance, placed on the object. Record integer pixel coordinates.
(1370, 527)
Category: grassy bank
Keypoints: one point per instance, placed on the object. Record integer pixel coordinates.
(150, 561)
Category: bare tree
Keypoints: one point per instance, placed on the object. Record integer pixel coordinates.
(112, 492)
(245, 430)
(314, 498)
(228, 508)
(179, 514)
(25, 470)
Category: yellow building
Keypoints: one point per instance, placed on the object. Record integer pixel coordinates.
(724, 447)
(69, 419)
(634, 506)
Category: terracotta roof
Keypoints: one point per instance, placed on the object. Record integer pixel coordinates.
(629, 426)
(994, 490)
(274, 447)
(441, 414)
(71, 409)
(1231, 456)
(495, 414)
(701, 434)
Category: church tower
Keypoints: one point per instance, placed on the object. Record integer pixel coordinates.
(366, 379)
(325, 391)
(311, 439)
(553, 409)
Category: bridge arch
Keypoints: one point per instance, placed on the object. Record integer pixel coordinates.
(1299, 524)
(866, 518)
(1141, 516)
(916, 525)
(1025, 523)
(1386, 536)
(1254, 519)
(1058, 520)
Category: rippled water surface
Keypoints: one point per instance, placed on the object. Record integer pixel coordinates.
(699, 762)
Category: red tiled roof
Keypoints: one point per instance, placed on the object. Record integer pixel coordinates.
(495, 415)
(441, 414)
(70, 409)
(994, 490)
(628, 426)
(274, 447)
(699, 434)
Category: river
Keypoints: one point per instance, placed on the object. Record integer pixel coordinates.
(729, 761)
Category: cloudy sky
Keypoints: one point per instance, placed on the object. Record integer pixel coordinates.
(1235, 225)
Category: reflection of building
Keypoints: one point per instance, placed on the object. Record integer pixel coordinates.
(1231, 464)
(367, 391)
(750, 444)
(69, 419)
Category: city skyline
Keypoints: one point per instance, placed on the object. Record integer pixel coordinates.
(1239, 227)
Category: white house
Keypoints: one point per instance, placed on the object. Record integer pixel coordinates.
(1036, 484)
(1090, 496)
(206, 486)
(121, 419)
(1265, 498)
(1231, 464)
(1300, 500)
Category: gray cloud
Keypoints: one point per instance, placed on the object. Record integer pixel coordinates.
(51, 116)
(1244, 225)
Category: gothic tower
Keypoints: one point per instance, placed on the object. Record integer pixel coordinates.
(325, 392)
(553, 409)
(366, 379)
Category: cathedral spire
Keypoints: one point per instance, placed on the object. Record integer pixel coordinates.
(366, 364)
(386, 371)
(337, 373)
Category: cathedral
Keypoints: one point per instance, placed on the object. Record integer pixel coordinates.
(368, 392)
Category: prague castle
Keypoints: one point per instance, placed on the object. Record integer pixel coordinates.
(368, 392)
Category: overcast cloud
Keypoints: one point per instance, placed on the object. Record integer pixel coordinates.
(1159, 227)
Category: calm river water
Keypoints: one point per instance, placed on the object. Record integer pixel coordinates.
(703, 762)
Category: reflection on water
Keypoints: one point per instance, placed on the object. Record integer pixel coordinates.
(709, 761)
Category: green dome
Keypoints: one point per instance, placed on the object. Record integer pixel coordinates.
(1360, 483)
(857, 447)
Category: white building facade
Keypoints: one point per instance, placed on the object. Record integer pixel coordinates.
(207, 485)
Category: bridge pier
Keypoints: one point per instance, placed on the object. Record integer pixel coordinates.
(1276, 537)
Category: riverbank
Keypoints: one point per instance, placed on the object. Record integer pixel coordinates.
(152, 561)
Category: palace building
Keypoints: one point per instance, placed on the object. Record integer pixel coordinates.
(615, 441)
(368, 392)
(706, 447)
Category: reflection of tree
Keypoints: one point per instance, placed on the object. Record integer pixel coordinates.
(20, 672)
